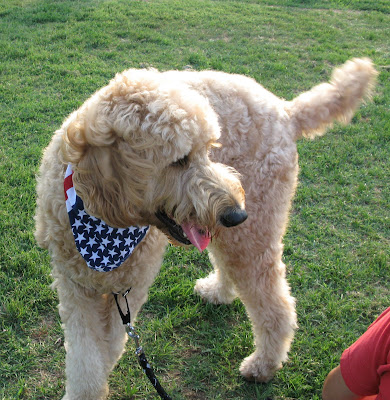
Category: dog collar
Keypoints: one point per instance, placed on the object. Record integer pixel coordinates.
(103, 247)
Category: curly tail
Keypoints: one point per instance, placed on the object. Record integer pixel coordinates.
(314, 111)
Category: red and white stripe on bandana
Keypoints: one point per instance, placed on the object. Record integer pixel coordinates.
(103, 247)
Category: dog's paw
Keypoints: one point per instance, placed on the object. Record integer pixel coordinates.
(255, 368)
(212, 290)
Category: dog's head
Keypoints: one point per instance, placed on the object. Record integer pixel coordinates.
(139, 150)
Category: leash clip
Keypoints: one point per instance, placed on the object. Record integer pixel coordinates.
(130, 330)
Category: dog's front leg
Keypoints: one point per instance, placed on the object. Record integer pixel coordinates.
(217, 287)
(89, 327)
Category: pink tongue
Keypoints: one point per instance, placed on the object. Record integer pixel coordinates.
(196, 235)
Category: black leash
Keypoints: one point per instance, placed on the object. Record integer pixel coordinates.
(143, 362)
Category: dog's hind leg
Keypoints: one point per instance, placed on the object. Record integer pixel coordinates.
(271, 310)
(260, 283)
(90, 323)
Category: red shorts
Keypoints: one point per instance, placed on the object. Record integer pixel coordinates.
(365, 366)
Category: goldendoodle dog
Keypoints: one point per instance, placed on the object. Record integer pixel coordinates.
(154, 157)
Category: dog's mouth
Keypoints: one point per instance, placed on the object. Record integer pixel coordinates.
(186, 233)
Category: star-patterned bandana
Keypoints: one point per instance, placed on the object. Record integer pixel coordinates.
(103, 247)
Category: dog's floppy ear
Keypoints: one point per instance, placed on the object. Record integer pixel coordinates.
(108, 175)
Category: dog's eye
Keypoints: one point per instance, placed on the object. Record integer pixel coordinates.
(181, 162)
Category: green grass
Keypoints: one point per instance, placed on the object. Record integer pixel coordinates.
(55, 54)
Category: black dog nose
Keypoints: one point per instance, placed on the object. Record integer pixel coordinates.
(233, 216)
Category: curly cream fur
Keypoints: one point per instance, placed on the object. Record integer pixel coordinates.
(122, 144)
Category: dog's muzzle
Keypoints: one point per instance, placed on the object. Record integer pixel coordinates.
(191, 233)
(233, 216)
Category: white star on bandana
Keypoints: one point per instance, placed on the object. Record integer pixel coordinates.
(103, 247)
